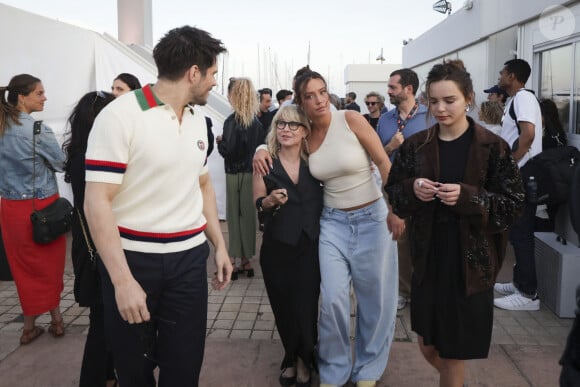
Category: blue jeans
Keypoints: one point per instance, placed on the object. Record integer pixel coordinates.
(356, 245)
(523, 242)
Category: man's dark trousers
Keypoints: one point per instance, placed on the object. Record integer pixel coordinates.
(174, 338)
(522, 239)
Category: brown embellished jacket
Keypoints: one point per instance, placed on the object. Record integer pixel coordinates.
(490, 200)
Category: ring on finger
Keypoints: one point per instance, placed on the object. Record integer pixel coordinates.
(420, 183)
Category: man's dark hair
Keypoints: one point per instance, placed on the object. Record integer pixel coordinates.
(408, 77)
(520, 68)
(184, 47)
(280, 95)
(351, 95)
(263, 91)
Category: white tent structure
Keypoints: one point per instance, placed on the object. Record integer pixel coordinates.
(72, 61)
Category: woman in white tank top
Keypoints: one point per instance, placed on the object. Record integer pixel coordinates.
(355, 244)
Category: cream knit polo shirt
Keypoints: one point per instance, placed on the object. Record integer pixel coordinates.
(138, 143)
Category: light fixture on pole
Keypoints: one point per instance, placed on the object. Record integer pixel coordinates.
(381, 58)
(442, 6)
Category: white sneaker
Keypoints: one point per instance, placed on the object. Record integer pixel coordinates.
(401, 303)
(505, 289)
(517, 301)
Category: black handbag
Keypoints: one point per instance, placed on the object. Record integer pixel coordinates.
(54, 220)
(87, 284)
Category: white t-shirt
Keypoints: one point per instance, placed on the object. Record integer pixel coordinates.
(527, 109)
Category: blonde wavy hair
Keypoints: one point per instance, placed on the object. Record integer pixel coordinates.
(491, 112)
(244, 100)
(288, 113)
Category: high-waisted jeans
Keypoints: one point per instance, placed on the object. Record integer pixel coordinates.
(356, 246)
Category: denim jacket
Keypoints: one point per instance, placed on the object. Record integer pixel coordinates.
(16, 160)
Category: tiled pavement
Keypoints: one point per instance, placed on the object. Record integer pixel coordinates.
(242, 314)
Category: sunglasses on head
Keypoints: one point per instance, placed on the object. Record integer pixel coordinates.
(99, 94)
(371, 103)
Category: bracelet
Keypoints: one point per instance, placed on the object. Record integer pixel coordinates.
(259, 203)
(260, 207)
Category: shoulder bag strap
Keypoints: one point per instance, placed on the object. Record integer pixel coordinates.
(36, 128)
(90, 248)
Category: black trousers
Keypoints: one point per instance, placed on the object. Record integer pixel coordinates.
(523, 241)
(292, 279)
(174, 338)
(97, 365)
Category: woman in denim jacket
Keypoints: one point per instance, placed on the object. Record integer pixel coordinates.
(37, 269)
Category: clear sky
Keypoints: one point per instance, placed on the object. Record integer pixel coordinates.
(274, 33)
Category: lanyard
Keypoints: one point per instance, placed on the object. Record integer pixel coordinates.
(402, 123)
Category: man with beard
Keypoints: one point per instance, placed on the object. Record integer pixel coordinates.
(406, 119)
(350, 101)
(150, 205)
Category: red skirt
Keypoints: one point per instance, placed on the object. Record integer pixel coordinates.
(37, 269)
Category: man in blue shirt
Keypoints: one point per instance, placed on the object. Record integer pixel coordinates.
(407, 118)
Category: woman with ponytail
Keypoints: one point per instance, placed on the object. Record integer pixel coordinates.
(37, 269)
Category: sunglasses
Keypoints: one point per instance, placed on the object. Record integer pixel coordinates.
(293, 125)
(371, 103)
(99, 94)
(147, 333)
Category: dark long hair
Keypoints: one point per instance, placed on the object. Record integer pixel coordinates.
(80, 124)
(22, 84)
(553, 125)
(130, 80)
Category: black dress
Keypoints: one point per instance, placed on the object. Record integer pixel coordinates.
(458, 326)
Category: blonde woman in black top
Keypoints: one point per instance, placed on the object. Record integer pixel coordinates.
(289, 202)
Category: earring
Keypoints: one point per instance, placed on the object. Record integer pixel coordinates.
(466, 108)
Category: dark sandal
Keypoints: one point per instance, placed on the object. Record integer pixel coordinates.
(56, 328)
(286, 381)
(249, 272)
(29, 335)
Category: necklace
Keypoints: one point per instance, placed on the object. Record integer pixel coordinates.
(402, 123)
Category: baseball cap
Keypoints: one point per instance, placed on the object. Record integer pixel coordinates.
(495, 89)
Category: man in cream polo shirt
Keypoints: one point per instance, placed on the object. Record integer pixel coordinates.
(150, 205)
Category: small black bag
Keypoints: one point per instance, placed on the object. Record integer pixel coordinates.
(87, 282)
(52, 221)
